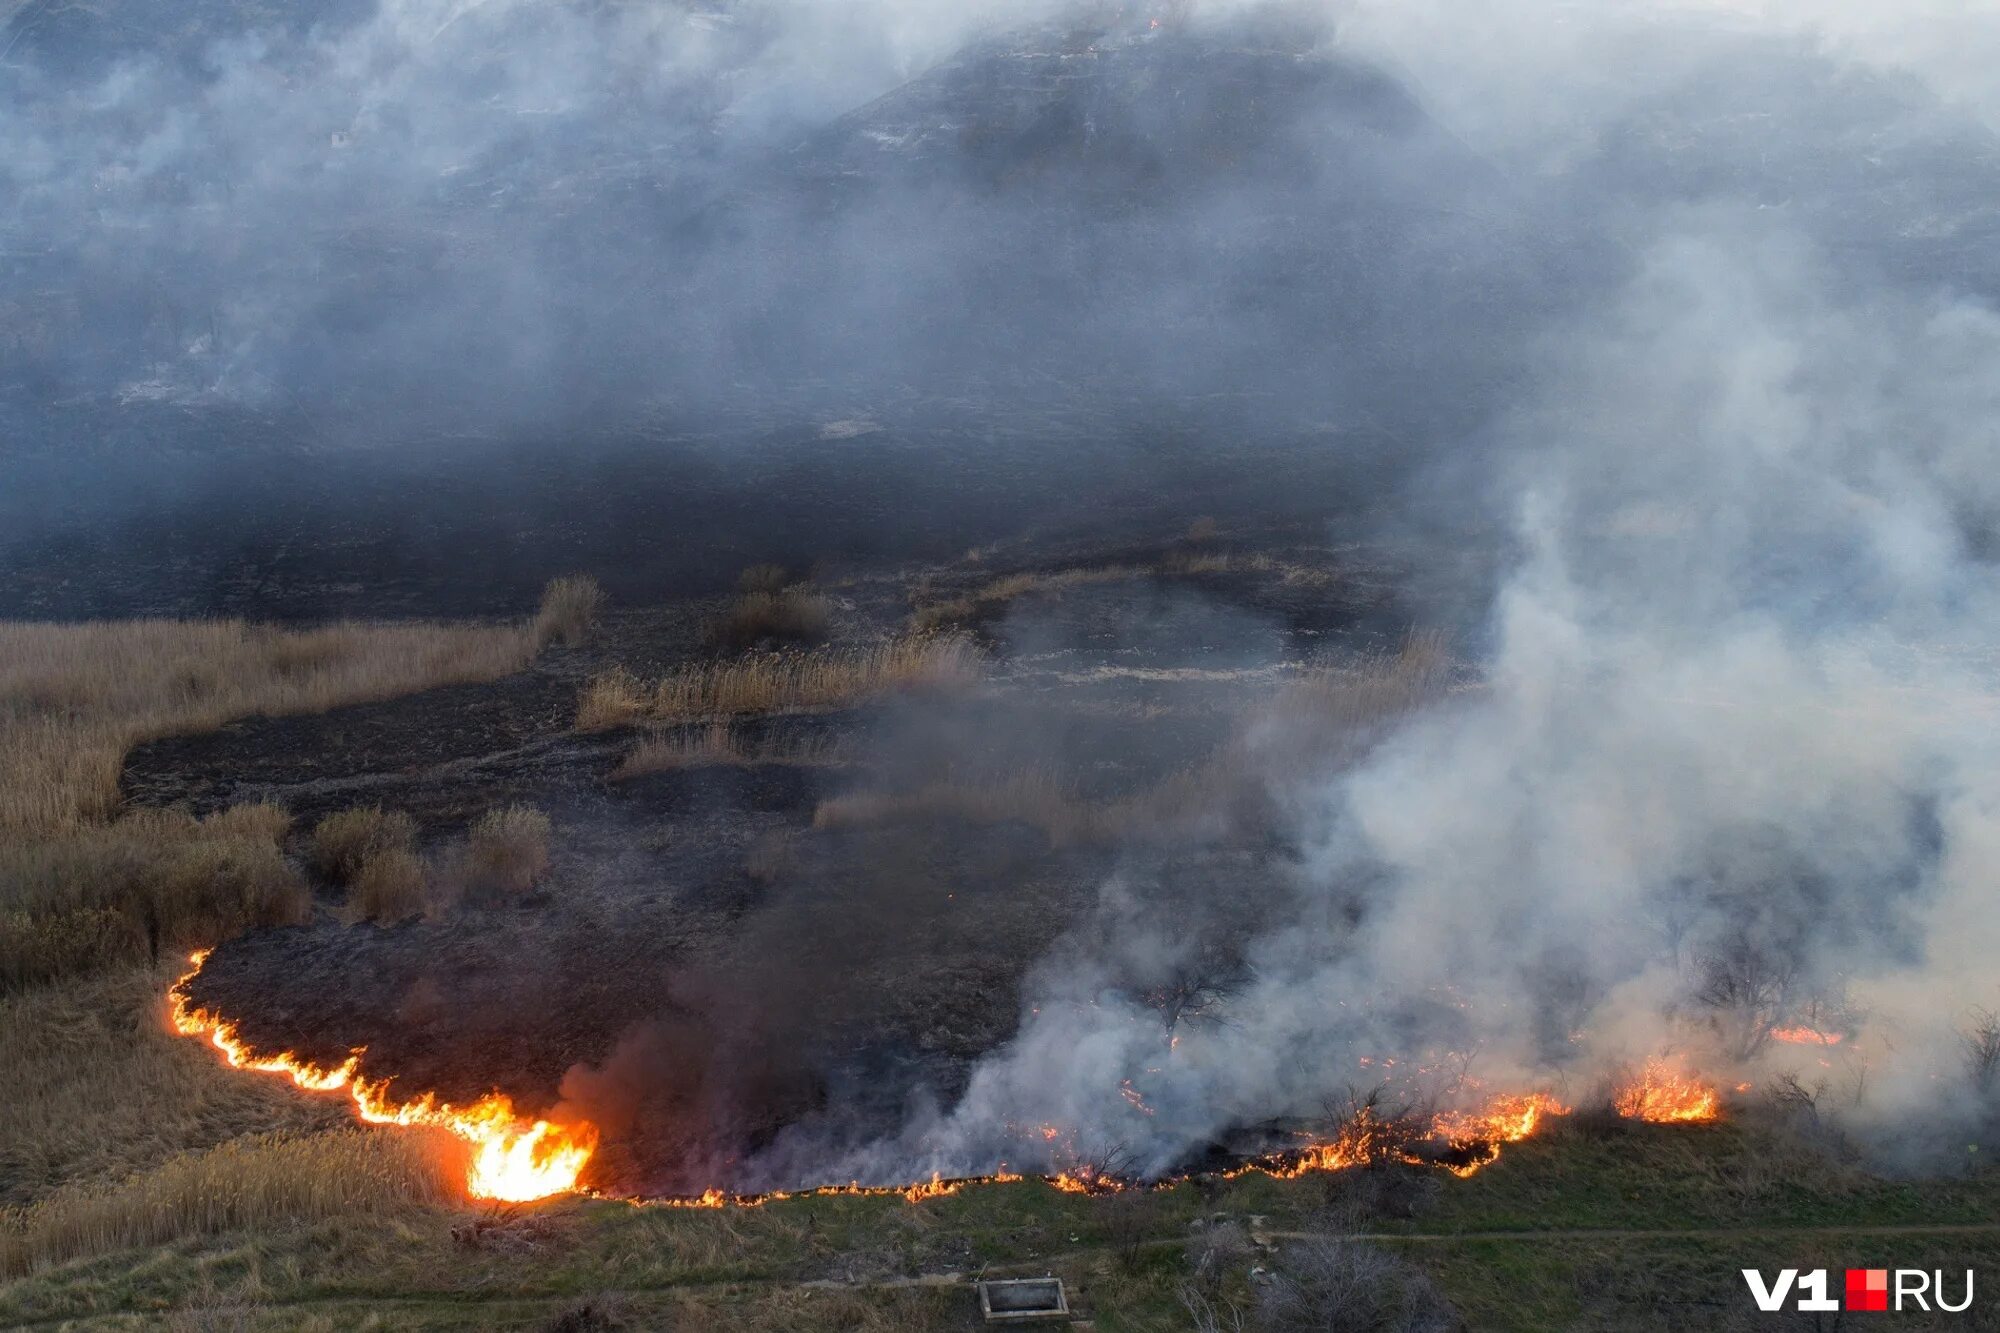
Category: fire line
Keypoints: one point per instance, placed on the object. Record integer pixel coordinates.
(518, 1159)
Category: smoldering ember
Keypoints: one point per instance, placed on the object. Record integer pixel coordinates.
(894, 664)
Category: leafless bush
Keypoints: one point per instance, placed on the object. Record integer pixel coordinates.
(346, 840)
(1350, 1287)
(1097, 1169)
(1131, 1218)
(507, 852)
(1746, 987)
(1982, 1049)
(1203, 529)
(1196, 987)
(792, 615)
(390, 887)
(570, 606)
(1208, 1312)
(1213, 1250)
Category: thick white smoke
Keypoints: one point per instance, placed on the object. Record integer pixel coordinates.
(1734, 763)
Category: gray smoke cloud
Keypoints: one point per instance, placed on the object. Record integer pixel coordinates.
(1730, 766)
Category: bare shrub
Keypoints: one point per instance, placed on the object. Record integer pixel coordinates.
(782, 682)
(792, 615)
(1203, 529)
(389, 887)
(1335, 1286)
(570, 606)
(1746, 987)
(1981, 1038)
(1208, 1312)
(765, 577)
(507, 852)
(346, 840)
(1196, 986)
(1215, 1249)
(1131, 1218)
(246, 1184)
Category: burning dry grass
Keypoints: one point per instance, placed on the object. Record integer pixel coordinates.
(779, 682)
(256, 1182)
(719, 744)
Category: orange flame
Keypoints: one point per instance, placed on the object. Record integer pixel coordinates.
(514, 1159)
(1663, 1094)
(1805, 1036)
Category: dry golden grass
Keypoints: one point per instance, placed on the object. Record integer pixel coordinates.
(718, 743)
(249, 1183)
(507, 852)
(74, 698)
(780, 682)
(569, 608)
(344, 841)
(791, 615)
(1375, 689)
(99, 1086)
(157, 881)
(77, 890)
(390, 887)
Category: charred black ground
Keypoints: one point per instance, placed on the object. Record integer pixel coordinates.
(704, 966)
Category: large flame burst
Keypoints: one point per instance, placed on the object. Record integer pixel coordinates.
(1666, 1095)
(517, 1159)
(514, 1158)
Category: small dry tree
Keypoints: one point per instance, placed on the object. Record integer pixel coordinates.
(1196, 988)
(1981, 1039)
(570, 606)
(1747, 987)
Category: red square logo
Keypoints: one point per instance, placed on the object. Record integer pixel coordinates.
(1867, 1288)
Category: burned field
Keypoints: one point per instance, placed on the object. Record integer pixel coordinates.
(754, 918)
(1173, 663)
